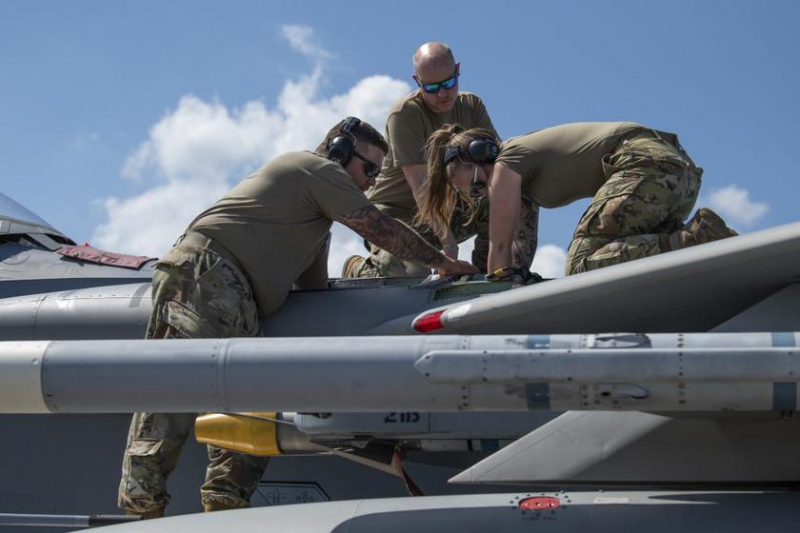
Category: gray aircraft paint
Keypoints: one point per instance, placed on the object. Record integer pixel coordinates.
(695, 289)
(714, 300)
(562, 511)
(677, 372)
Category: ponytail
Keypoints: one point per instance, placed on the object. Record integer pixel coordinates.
(437, 200)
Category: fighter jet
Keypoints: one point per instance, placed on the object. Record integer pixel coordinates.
(51, 288)
(698, 426)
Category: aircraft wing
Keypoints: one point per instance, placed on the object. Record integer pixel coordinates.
(692, 290)
(547, 512)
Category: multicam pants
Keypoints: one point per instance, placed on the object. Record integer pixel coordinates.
(650, 189)
(381, 263)
(196, 294)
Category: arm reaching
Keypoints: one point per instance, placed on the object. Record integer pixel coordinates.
(504, 209)
(400, 240)
(415, 176)
(526, 238)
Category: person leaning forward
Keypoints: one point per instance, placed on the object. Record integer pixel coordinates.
(642, 183)
(241, 257)
(410, 123)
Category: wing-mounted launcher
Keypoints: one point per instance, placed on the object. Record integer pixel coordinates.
(663, 409)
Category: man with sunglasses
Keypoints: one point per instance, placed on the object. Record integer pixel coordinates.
(240, 258)
(411, 122)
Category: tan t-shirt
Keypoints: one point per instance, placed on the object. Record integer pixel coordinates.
(275, 221)
(408, 127)
(563, 164)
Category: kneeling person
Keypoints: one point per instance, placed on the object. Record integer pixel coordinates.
(642, 182)
(241, 257)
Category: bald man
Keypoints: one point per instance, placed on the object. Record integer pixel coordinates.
(411, 121)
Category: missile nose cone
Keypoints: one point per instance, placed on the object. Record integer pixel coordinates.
(250, 433)
(429, 322)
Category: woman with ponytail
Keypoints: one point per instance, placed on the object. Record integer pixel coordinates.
(642, 182)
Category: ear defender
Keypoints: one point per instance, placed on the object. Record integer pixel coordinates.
(341, 147)
(480, 151)
(483, 151)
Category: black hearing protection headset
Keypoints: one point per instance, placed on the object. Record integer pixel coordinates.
(342, 147)
(480, 151)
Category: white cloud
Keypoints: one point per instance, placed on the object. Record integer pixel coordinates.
(733, 203)
(197, 151)
(150, 223)
(301, 38)
(549, 261)
(203, 141)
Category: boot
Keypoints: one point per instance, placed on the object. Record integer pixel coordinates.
(213, 506)
(707, 226)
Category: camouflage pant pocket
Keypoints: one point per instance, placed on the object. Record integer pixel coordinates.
(144, 447)
(187, 322)
(636, 201)
(200, 294)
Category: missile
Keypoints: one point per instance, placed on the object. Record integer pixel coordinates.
(663, 372)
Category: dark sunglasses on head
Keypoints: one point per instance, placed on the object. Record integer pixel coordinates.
(447, 84)
(370, 168)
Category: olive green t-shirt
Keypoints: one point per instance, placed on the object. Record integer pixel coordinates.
(275, 221)
(562, 164)
(408, 127)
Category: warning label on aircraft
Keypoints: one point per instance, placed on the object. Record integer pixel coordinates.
(283, 493)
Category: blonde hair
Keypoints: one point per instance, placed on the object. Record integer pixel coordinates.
(437, 196)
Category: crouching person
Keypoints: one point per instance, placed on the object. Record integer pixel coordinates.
(642, 183)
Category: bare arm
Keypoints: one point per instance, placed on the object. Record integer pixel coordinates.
(504, 210)
(400, 240)
(526, 236)
(415, 176)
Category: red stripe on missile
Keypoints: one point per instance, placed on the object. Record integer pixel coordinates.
(429, 322)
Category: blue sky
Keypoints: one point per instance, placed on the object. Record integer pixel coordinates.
(161, 105)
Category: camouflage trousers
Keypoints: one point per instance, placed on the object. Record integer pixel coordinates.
(196, 294)
(651, 188)
(381, 263)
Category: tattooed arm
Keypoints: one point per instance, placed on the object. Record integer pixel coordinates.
(400, 240)
(526, 236)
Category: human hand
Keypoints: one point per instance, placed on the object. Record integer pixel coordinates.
(455, 267)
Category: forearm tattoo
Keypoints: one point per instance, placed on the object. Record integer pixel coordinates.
(526, 235)
(392, 235)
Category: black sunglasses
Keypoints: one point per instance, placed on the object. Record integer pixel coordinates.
(370, 168)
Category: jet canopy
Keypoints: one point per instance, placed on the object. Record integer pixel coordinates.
(18, 222)
(11, 210)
